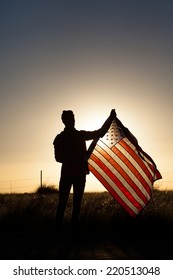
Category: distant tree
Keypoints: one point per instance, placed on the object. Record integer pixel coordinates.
(44, 189)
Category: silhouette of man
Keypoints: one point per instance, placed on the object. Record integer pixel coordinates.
(70, 150)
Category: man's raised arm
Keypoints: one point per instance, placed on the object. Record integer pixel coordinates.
(107, 123)
(88, 135)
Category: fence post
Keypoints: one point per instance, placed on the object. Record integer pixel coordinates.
(10, 186)
(41, 179)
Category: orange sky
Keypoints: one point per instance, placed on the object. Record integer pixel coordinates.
(90, 59)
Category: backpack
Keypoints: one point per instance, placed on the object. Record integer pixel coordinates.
(58, 148)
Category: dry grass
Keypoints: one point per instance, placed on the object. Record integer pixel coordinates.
(106, 230)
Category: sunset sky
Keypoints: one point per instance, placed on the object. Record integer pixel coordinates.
(88, 56)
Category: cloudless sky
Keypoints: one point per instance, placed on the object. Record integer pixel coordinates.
(88, 56)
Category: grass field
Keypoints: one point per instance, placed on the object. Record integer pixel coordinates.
(106, 230)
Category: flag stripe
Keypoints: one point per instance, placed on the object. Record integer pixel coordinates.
(150, 165)
(133, 166)
(139, 175)
(133, 156)
(127, 177)
(118, 176)
(136, 174)
(157, 175)
(116, 182)
(131, 151)
(123, 168)
(131, 210)
(149, 160)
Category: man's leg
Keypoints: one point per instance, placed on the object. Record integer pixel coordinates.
(64, 190)
(78, 191)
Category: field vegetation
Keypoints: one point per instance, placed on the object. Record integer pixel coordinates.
(106, 231)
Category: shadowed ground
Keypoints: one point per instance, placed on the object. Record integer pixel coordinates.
(106, 231)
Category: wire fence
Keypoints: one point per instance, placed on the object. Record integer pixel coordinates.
(31, 184)
(25, 185)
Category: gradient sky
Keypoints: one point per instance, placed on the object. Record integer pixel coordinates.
(88, 56)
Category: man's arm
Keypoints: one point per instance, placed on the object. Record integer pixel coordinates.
(107, 123)
(88, 135)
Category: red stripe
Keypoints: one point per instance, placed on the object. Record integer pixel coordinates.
(151, 165)
(111, 190)
(122, 172)
(157, 175)
(118, 183)
(136, 158)
(132, 168)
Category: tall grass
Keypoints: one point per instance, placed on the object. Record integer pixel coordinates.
(106, 230)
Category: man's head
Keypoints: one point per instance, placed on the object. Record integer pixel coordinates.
(68, 118)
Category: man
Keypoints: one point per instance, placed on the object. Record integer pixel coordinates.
(70, 150)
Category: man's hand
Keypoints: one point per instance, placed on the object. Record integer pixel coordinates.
(113, 114)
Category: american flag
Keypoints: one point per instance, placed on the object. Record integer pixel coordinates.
(123, 168)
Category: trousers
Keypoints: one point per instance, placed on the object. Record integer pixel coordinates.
(66, 182)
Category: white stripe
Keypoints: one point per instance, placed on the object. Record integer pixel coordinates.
(113, 186)
(130, 158)
(135, 164)
(127, 170)
(147, 162)
(125, 167)
(134, 148)
(119, 176)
